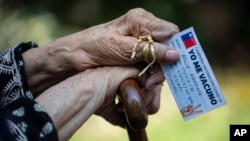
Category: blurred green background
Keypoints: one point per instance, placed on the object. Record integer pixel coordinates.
(222, 27)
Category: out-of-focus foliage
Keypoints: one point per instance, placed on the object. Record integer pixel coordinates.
(221, 25)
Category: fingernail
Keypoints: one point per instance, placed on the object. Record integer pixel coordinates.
(172, 55)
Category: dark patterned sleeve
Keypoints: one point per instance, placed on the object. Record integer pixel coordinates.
(13, 78)
(21, 118)
(25, 120)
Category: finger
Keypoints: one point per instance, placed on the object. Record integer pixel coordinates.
(187, 108)
(197, 112)
(197, 106)
(163, 53)
(112, 115)
(161, 30)
(141, 22)
(154, 104)
(190, 107)
(156, 78)
(149, 95)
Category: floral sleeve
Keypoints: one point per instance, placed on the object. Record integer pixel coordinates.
(21, 118)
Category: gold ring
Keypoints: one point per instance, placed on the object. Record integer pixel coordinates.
(147, 49)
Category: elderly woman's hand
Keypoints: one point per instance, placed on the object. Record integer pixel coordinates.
(106, 44)
(71, 102)
(112, 43)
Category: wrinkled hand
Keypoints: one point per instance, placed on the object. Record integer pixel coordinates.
(112, 43)
(71, 102)
(151, 97)
(106, 44)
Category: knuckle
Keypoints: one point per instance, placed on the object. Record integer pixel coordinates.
(139, 12)
(136, 10)
(175, 29)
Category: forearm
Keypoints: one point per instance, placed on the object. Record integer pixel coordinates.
(77, 120)
(46, 66)
(59, 59)
(70, 108)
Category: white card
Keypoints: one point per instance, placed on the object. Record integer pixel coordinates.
(191, 79)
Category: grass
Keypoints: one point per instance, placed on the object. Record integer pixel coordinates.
(168, 124)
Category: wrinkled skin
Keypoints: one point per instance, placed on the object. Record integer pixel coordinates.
(71, 102)
(78, 75)
(107, 44)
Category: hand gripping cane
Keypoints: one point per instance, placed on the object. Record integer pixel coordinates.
(134, 110)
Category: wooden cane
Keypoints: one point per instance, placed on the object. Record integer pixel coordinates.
(134, 110)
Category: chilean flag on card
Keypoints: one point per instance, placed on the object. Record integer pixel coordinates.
(188, 40)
